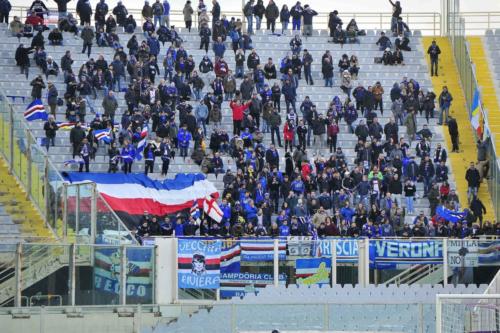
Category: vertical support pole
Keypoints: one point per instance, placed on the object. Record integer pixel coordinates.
(18, 268)
(333, 277)
(93, 214)
(11, 138)
(276, 266)
(233, 318)
(445, 262)
(28, 159)
(46, 192)
(421, 317)
(123, 275)
(176, 275)
(65, 211)
(72, 274)
(438, 314)
(77, 209)
(367, 262)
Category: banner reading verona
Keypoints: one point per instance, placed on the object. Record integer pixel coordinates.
(199, 263)
(387, 253)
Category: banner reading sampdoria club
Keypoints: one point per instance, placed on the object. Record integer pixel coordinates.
(199, 263)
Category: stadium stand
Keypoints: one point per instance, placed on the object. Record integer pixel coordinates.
(459, 162)
(366, 51)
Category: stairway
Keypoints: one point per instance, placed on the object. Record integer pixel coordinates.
(485, 80)
(18, 216)
(448, 75)
(419, 274)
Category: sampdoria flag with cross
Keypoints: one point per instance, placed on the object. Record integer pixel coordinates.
(476, 119)
(35, 110)
(212, 209)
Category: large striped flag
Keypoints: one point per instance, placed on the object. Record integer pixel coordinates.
(35, 110)
(477, 114)
(132, 194)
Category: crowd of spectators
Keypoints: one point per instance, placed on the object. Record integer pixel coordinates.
(312, 194)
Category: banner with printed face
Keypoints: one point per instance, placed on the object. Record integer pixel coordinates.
(386, 254)
(199, 263)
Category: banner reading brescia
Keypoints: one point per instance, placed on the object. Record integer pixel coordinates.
(199, 263)
(387, 253)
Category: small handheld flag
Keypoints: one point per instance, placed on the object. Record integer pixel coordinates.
(104, 135)
(35, 110)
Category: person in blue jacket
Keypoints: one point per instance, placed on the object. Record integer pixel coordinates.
(219, 48)
(183, 139)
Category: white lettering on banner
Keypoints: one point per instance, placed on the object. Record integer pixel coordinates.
(416, 251)
(390, 249)
(136, 290)
(404, 250)
(193, 246)
(199, 281)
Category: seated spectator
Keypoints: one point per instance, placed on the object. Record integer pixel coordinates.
(383, 42)
(36, 22)
(402, 43)
(55, 37)
(17, 28)
(387, 58)
(344, 63)
(354, 67)
(339, 35)
(51, 68)
(398, 57)
(352, 32)
(296, 44)
(68, 24)
(130, 24)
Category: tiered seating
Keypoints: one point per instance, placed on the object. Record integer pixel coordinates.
(347, 308)
(15, 84)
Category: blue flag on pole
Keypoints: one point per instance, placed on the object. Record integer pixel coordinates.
(35, 110)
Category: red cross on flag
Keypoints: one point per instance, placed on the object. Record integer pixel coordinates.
(212, 209)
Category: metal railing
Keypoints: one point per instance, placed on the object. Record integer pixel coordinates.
(30, 164)
(429, 23)
(468, 79)
(118, 274)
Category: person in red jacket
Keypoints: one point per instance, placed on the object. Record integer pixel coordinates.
(288, 134)
(238, 110)
(221, 68)
(34, 19)
(305, 169)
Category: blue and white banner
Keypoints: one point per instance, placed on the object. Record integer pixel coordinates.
(309, 271)
(238, 284)
(489, 253)
(386, 254)
(199, 263)
(139, 271)
(261, 249)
